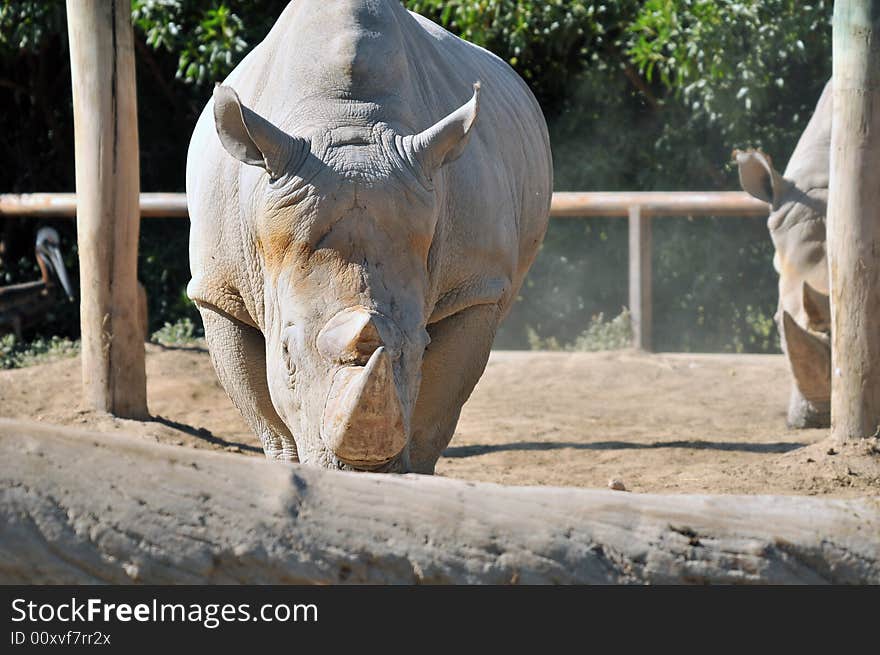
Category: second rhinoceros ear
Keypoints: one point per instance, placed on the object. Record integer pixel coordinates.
(250, 138)
(444, 141)
(757, 175)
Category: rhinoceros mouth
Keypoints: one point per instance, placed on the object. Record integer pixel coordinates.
(393, 465)
(326, 458)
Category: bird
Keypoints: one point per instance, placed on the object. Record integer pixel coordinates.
(27, 302)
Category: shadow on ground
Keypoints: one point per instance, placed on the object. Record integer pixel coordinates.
(189, 347)
(475, 450)
(206, 435)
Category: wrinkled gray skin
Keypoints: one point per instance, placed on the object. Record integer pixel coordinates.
(360, 225)
(798, 200)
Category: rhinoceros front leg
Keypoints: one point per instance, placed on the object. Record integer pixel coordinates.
(238, 352)
(452, 365)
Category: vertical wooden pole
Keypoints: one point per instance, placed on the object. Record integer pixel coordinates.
(108, 215)
(854, 221)
(640, 278)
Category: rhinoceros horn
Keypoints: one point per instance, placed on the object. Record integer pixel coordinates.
(817, 305)
(363, 422)
(810, 360)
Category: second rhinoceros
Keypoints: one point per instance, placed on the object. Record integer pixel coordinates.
(363, 215)
(798, 200)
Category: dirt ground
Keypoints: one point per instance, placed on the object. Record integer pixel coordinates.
(668, 423)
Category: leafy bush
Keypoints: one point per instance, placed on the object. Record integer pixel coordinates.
(18, 354)
(601, 334)
(606, 335)
(182, 332)
(549, 43)
(208, 37)
(752, 70)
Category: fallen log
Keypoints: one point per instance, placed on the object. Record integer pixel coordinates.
(79, 507)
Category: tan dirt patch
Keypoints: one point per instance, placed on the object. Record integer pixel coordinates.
(673, 423)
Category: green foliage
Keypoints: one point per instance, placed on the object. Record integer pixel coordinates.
(26, 24)
(548, 42)
(601, 334)
(182, 332)
(18, 354)
(726, 60)
(537, 342)
(209, 38)
(606, 335)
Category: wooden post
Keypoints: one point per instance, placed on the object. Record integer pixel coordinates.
(640, 278)
(108, 219)
(854, 221)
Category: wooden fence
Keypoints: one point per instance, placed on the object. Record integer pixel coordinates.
(640, 207)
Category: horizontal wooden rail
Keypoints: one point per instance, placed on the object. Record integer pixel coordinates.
(63, 205)
(639, 206)
(566, 204)
(577, 204)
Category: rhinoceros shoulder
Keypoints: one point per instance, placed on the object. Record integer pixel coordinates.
(216, 262)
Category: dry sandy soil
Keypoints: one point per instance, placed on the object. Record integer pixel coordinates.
(670, 423)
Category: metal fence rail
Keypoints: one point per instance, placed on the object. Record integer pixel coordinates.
(638, 206)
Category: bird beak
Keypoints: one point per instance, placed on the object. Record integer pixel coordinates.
(58, 264)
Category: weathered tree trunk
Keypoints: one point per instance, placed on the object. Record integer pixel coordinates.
(108, 214)
(854, 221)
(80, 508)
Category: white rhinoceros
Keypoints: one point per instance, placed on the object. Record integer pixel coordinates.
(358, 232)
(798, 200)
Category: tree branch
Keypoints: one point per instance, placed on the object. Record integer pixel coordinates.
(636, 80)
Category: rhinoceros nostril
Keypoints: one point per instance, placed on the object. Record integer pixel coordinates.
(367, 342)
(350, 337)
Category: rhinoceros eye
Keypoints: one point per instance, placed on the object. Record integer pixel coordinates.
(288, 347)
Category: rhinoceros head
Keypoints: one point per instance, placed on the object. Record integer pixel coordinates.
(797, 227)
(344, 219)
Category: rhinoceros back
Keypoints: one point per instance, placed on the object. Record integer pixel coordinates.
(810, 163)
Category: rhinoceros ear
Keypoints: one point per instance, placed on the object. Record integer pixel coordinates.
(757, 175)
(444, 141)
(249, 137)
